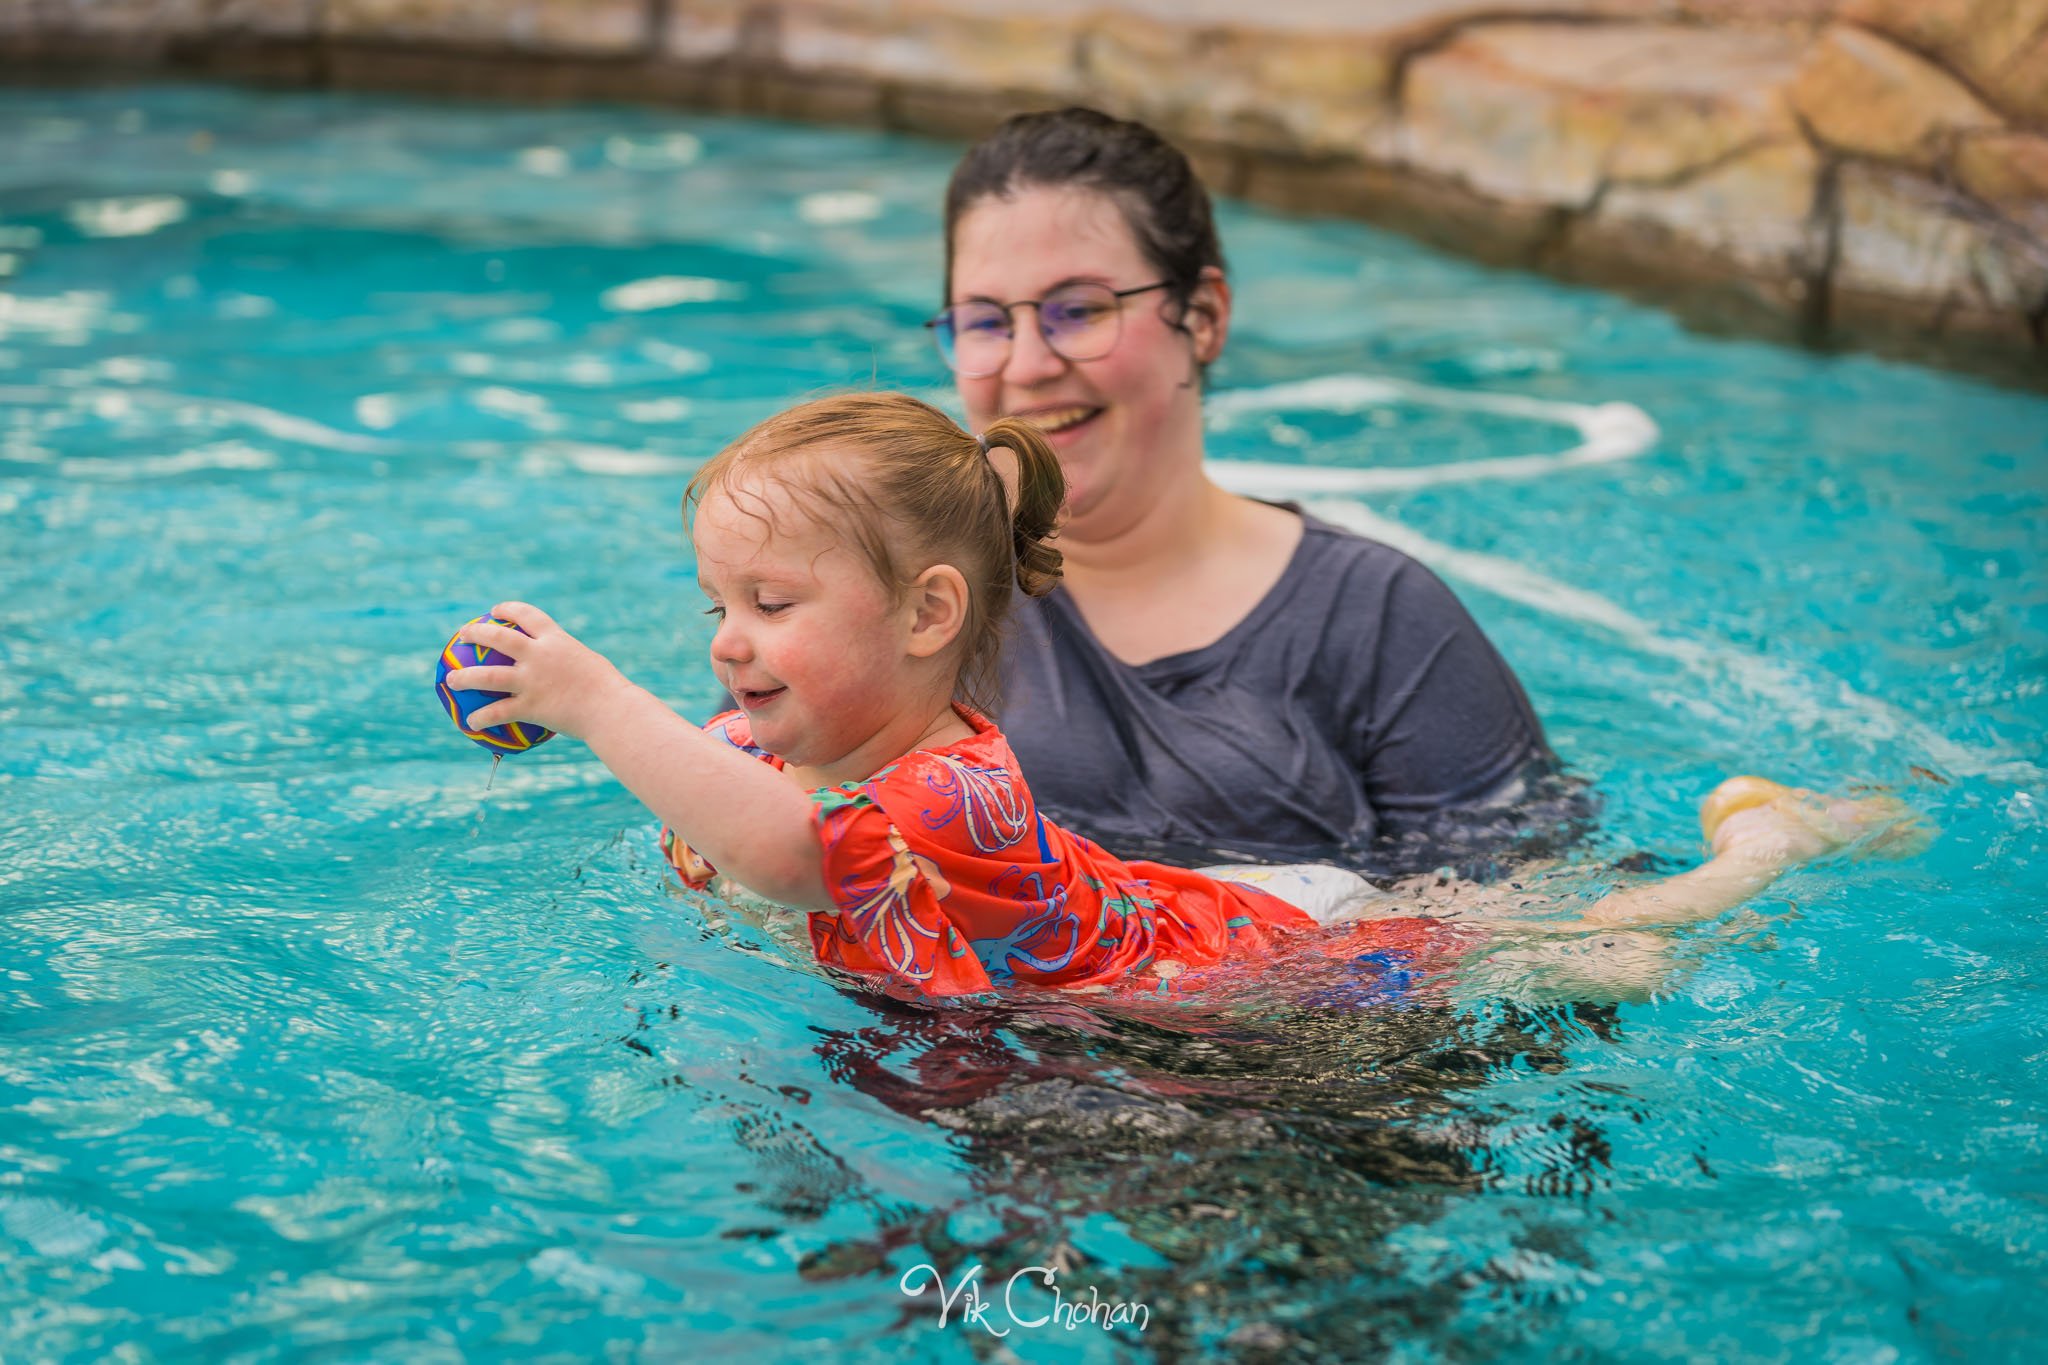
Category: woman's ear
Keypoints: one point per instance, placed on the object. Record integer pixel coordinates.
(1207, 318)
(939, 600)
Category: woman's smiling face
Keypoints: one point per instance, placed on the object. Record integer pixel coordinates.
(1125, 426)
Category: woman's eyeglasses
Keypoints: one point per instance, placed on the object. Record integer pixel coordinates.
(1080, 321)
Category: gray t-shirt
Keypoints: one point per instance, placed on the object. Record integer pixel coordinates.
(1357, 715)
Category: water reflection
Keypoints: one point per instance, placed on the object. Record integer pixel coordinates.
(1237, 1165)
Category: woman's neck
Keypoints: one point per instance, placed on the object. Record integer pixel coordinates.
(1161, 540)
(1181, 576)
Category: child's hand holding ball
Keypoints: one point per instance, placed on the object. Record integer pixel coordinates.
(513, 678)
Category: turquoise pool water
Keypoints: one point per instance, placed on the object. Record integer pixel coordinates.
(310, 1047)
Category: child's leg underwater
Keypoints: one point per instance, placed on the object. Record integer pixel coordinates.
(1756, 830)
(1570, 960)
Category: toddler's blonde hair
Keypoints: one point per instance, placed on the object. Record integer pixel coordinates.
(903, 483)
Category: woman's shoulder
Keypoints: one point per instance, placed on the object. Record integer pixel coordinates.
(1325, 544)
(1343, 577)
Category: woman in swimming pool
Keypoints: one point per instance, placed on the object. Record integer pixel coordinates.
(861, 554)
(1214, 673)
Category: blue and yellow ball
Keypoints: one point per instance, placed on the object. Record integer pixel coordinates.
(510, 738)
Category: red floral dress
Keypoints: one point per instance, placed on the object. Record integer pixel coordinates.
(946, 878)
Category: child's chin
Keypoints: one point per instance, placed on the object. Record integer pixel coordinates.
(790, 748)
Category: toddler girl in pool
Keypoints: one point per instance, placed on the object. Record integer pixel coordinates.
(860, 553)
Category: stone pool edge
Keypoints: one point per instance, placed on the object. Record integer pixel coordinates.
(1835, 174)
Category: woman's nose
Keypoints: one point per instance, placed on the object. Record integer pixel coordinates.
(1032, 359)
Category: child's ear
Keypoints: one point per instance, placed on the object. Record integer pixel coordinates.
(940, 598)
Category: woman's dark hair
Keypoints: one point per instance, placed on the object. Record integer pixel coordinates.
(1144, 174)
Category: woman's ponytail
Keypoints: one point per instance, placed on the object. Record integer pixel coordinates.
(1034, 505)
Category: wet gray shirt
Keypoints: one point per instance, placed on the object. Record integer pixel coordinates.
(1357, 715)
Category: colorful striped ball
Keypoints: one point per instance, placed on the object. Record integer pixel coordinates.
(509, 738)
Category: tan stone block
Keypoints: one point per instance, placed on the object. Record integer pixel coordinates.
(127, 18)
(1756, 209)
(1810, 12)
(580, 27)
(1443, 213)
(2020, 84)
(1907, 237)
(1311, 76)
(1865, 94)
(851, 37)
(1308, 77)
(1549, 113)
(1999, 47)
(714, 30)
(1329, 98)
(266, 18)
(1129, 63)
(945, 45)
(1392, 24)
(2009, 171)
(897, 12)
(1312, 94)
(1267, 91)
(1390, 21)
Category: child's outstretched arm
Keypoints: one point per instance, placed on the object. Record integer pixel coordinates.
(750, 821)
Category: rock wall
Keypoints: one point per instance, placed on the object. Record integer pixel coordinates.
(1839, 172)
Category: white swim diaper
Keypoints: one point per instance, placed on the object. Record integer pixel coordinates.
(1329, 895)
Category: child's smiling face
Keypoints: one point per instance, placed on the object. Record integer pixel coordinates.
(812, 647)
